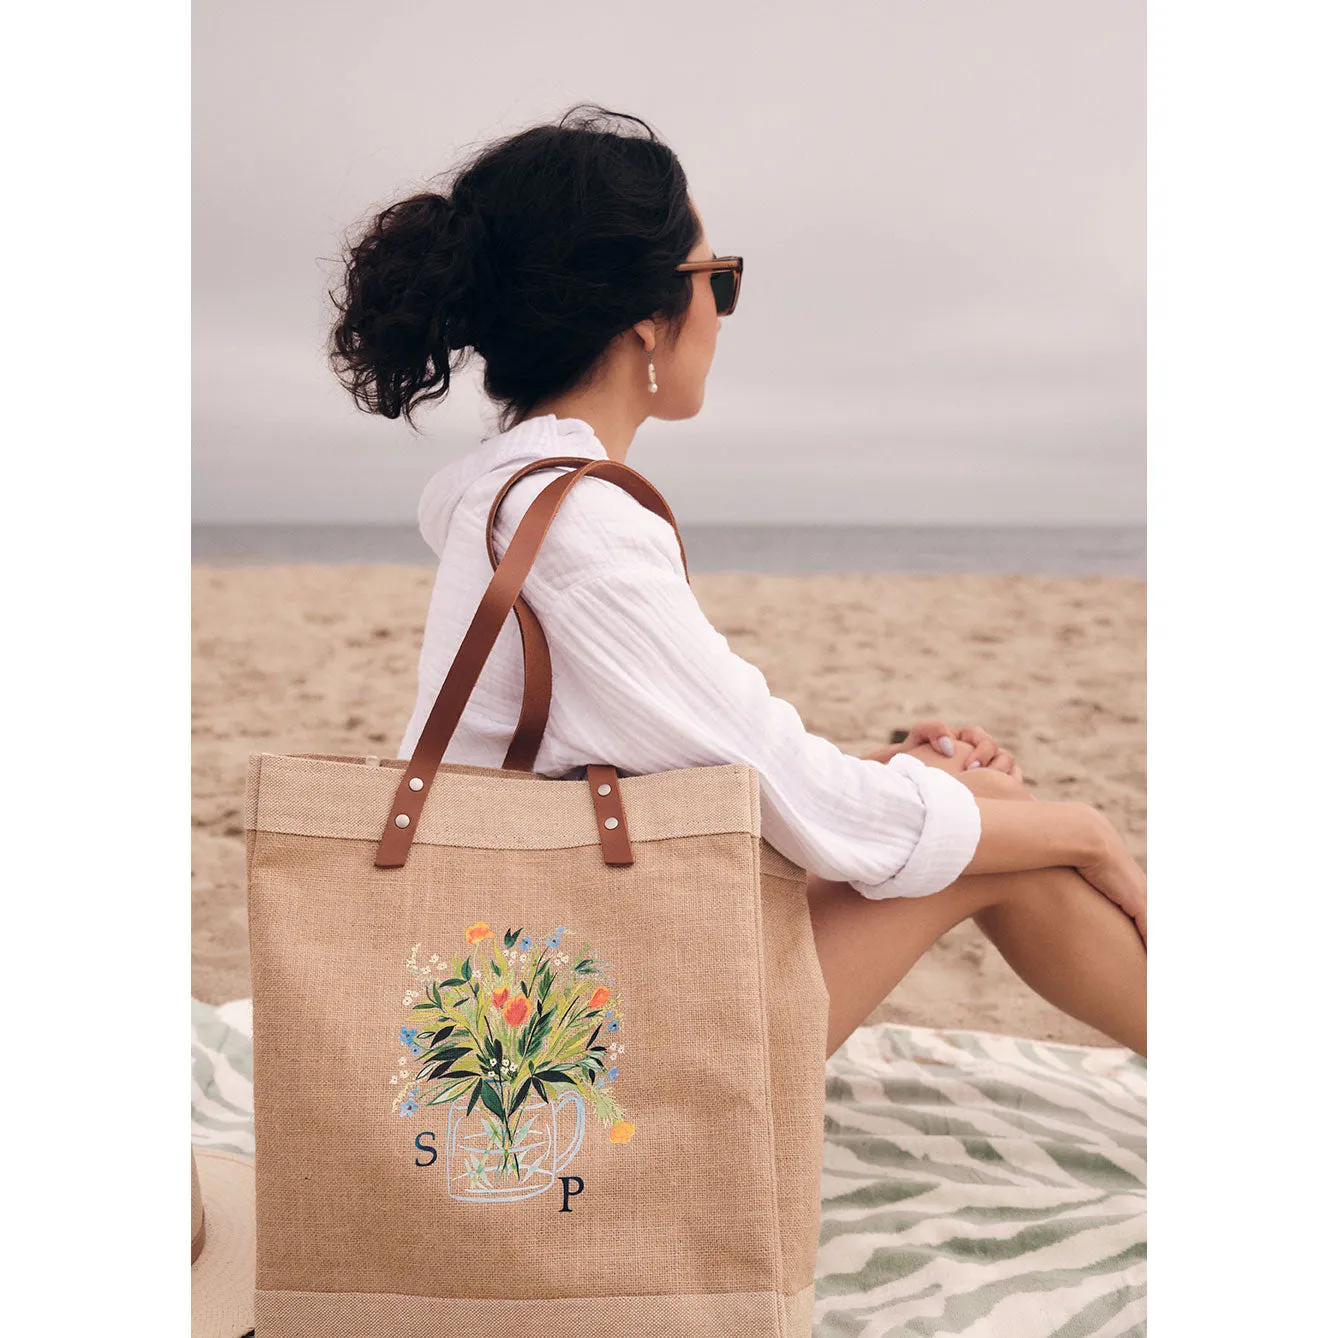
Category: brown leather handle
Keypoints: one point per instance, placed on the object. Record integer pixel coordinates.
(499, 599)
(538, 694)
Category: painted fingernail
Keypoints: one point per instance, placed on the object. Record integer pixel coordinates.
(945, 745)
(975, 763)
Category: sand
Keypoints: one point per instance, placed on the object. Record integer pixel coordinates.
(310, 658)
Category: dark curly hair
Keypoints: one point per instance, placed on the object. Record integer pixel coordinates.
(546, 246)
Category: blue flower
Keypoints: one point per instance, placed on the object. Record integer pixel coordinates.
(408, 1107)
(614, 1024)
(415, 1050)
(554, 941)
(407, 1035)
(613, 1073)
(526, 943)
(599, 1082)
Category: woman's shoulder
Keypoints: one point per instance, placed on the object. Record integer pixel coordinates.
(598, 526)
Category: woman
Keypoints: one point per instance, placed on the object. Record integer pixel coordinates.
(572, 259)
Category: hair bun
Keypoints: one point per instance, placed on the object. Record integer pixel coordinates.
(548, 245)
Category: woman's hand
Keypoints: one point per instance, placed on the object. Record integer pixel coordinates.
(982, 750)
(1116, 875)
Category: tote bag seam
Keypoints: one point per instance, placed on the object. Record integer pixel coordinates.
(535, 1300)
(778, 1260)
(592, 844)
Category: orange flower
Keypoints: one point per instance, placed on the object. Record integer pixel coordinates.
(621, 1132)
(476, 932)
(517, 1010)
(600, 996)
(499, 997)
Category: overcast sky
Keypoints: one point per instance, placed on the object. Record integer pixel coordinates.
(940, 203)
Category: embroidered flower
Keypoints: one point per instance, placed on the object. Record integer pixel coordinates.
(477, 931)
(517, 1010)
(408, 1107)
(526, 944)
(613, 1073)
(621, 1132)
(553, 941)
(600, 996)
(407, 1035)
(434, 958)
(614, 1024)
(500, 996)
(415, 1050)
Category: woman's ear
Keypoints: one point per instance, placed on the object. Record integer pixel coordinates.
(645, 332)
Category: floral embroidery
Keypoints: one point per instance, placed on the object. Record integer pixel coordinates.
(506, 1042)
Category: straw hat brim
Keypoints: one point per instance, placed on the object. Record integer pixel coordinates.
(223, 1278)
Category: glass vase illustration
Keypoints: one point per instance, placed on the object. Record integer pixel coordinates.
(491, 1160)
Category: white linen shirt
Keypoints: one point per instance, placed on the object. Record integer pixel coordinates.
(643, 682)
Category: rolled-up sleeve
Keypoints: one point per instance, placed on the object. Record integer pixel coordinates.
(644, 682)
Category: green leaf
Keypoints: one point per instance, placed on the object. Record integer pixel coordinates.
(540, 1088)
(454, 980)
(493, 1101)
(467, 970)
(525, 987)
(551, 1075)
(519, 1099)
(416, 1007)
(478, 1087)
(510, 940)
(443, 1033)
(450, 1091)
(496, 970)
(447, 1054)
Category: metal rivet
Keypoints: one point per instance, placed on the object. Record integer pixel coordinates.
(610, 823)
(415, 783)
(401, 819)
(604, 789)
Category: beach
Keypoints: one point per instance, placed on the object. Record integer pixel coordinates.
(317, 657)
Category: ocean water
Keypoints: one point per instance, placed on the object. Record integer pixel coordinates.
(1088, 550)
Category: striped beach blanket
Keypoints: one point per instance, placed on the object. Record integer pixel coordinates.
(975, 1185)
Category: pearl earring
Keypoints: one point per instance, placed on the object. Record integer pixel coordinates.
(654, 389)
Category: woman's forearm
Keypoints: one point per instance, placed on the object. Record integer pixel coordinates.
(1040, 835)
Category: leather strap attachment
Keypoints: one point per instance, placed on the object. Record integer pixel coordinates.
(608, 797)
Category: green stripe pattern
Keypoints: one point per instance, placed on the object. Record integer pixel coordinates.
(975, 1185)
(982, 1186)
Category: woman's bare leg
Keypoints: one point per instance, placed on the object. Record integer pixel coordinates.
(1075, 948)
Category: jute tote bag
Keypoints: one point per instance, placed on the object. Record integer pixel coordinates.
(532, 1056)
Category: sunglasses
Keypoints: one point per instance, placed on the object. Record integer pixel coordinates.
(726, 278)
